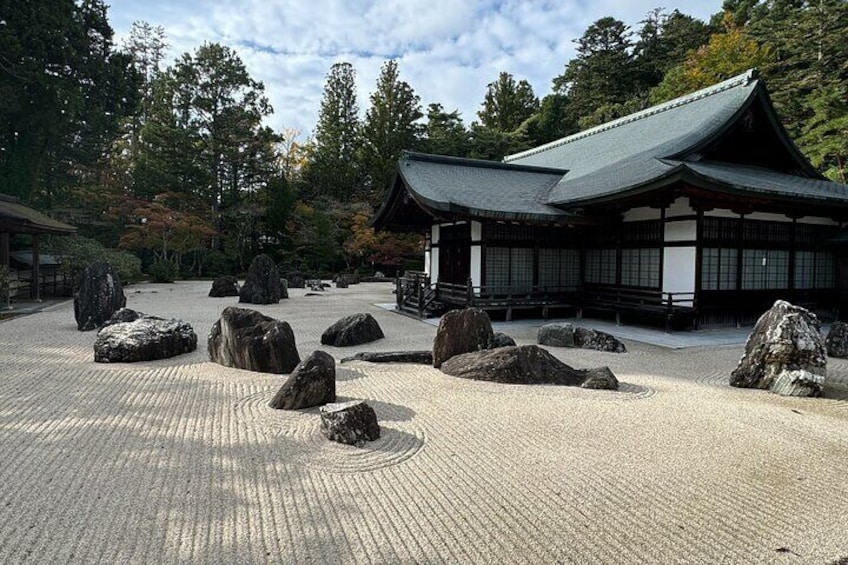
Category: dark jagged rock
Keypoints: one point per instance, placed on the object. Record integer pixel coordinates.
(144, 338)
(784, 353)
(837, 340)
(246, 339)
(341, 282)
(556, 335)
(526, 364)
(284, 289)
(312, 383)
(461, 331)
(352, 330)
(352, 423)
(123, 315)
(419, 357)
(597, 340)
(100, 294)
(500, 339)
(296, 280)
(262, 285)
(225, 285)
(600, 378)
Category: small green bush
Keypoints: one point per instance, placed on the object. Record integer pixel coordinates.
(126, 264)
(163, 271)
(76, 252)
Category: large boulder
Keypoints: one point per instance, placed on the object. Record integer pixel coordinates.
(461, 331)
(312, 383)
(262, 285)
(352, 422)
(556, 335)
(837, 340)
(598, 340)
(225, 285)
(131, 336)
(100, 294)
(525, 364)
(419, 357)
(785, 353)
(352, 330)
(246, 339)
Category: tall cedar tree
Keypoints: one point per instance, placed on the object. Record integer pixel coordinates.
(603, 72)
(390, 127)
(333, 169)
(64, 91)
(507, 103)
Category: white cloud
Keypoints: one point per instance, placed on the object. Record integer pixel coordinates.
(448, 50)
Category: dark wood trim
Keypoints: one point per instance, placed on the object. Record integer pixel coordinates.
(663, 221)
(682, 243)
(687, 217)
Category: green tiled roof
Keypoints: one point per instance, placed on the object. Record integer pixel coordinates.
(660, 146)
(479, 188)
(767, 182)
(624, 153)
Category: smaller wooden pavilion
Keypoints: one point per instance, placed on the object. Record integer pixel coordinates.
(16, 218)
(698, 211)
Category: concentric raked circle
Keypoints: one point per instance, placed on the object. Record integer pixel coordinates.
(398, 442)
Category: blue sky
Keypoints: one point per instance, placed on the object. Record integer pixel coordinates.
(447, 50)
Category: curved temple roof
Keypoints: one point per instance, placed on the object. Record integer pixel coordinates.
(637, 153)
(18, 218)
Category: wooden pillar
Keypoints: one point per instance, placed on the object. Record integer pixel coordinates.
(35, 288)
(4, 249)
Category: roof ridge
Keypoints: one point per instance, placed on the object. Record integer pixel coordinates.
(739, 80)
(481, 163)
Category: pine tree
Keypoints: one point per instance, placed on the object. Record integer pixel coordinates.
(444, 133)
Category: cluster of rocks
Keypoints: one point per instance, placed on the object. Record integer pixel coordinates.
(466, 346)
(247, 339)
(313, 383)
(124, 335)
(567, 335)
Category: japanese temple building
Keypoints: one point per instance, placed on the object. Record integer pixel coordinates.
(698, 211)
(16, 218)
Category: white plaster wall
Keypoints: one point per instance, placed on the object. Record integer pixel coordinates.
(642, 213)
(680, 207)
(476, 268)
(434, 255)
(679, 269)
(684, 230)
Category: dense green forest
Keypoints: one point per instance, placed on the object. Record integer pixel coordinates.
(174, 162)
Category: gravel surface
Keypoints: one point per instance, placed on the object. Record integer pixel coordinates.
(181, 460)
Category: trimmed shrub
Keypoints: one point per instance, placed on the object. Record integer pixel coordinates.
(163, 271)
